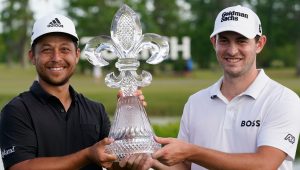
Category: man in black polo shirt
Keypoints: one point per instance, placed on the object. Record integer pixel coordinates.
(51, 126)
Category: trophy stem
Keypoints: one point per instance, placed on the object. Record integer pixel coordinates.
(131, 129)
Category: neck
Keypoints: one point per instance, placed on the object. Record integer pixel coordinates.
(61, 92)
(232, 87)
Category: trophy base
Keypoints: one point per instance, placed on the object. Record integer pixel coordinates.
(127, 147)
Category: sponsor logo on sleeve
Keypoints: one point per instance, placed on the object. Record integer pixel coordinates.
(5, 152)
(290, 138)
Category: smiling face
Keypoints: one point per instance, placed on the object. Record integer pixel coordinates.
(55, 57)
(236, 53)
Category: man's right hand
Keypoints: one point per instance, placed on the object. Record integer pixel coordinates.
(98, 154)
(142, 161)
(175, 151)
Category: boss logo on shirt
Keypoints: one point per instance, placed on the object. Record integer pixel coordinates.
(250, 123)
(8, 151)
(290, 138)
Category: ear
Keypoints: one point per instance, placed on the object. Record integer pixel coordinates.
(77, 55)
(261, 43)
(31, 57)
(213, 41)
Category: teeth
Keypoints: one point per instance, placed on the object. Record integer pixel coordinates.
(56, 68)
(233, 59)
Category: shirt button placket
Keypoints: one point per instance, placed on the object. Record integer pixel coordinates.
(230, 114)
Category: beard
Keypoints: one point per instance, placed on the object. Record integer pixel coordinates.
(52, 80)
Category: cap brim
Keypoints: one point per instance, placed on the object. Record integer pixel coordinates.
(70, 35)
(238, 30)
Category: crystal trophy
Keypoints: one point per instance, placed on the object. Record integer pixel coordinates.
(131, 127)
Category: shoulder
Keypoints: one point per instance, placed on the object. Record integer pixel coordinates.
(18, 102)
(284, 104)
(201, 95)
(15, 112)
(282, 93)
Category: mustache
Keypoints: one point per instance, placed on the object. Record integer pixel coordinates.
(56, 64)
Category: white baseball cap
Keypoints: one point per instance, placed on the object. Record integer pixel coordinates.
(53, 23)
(238, 19)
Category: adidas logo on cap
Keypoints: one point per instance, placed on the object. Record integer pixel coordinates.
(55, 23)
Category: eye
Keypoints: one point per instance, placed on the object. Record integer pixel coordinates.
(242, 40)
(222, 40)
(65, 49)
(46, 50)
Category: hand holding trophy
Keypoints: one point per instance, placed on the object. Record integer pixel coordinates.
(131, 128)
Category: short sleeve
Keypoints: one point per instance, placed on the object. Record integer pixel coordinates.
(281, 126)
(17, 137)
(184, 129)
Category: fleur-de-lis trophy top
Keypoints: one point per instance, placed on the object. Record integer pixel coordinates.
(126, 42)
(131, 128)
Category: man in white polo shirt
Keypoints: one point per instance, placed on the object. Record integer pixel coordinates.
(243, 121)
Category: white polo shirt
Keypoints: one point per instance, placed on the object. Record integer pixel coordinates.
(267, 113)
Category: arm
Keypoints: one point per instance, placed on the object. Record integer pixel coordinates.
(95, 153)
(176, 151)
(76, 160)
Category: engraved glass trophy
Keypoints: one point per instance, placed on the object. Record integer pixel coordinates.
(131, 128)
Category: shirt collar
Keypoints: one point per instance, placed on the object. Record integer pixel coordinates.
(38, 91)
(258, 85)
(215, 90)
(253, 90)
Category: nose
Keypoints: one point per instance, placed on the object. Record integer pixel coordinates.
(232, 49)
(55, 55)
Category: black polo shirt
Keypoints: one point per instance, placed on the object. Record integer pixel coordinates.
(35, 124)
